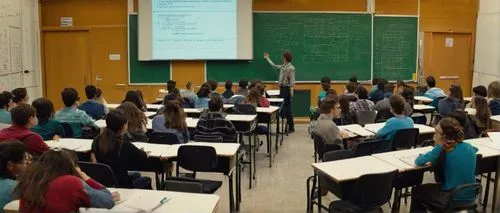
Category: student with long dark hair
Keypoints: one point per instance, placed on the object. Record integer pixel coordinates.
(203, 97)
(110, 149)
(47, 127)
(494, 94)
(346, 116)
(5, 104)
(454, 101)
(455, 164)
(482, 119)
(137, 121)
(173, 120)
(133, 96)
(14, 159)
(56, 184)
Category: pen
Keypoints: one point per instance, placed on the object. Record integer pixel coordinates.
(162, 201)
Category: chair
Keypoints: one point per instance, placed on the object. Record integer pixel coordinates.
(138, 137)
(405, 138)
(370, 192)
(371, 147)
(327, 157)
(366, 117)
(188, 103)
(452, 206)
(164, 138)
(68, 131)
(178, 184)
(383, 115)
(102, 173)
(244, 109)
(208, 138)
(320, 145)
(199, 159)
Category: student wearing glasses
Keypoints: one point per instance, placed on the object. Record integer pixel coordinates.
(14, 159)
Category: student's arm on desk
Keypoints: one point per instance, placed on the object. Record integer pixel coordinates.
(87, 120)
(429, 157)
(388, 127)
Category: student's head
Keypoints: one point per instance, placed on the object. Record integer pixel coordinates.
(354, 79)
(460, 116)
(389, 88)
(70, 97)
(330, 107)
(243, 83)
(351, 87)
(52, 164)
(20, 95)
(24, 115)
(174, 116)
(44, 109)
(171, 85)
(189, 85)
(135, 117)
(215, 104)
(483, 112)
(361, 92)
(14, 159)
(112, 135)
(449, 132)
(254, 83)
(325, 83)
(287, 56)
(494, 90)
(397, 104)
(141, 97)
(456, 93)
(381, 84)
(344, 101)
(133, 96)
(408, 93)
(253, 96)
(431, 81)
(261, 88)
(173, 97)
(6, 100)
(98, 93)
(204, 91)
(480, 91)
(228, 85)
(91, 92)
(422, 88)
(374, 81)
(213, 85)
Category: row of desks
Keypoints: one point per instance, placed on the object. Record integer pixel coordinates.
(369, 130)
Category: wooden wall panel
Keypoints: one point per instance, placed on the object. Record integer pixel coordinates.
(396, 7)
(185, 71)
(84, 12)
(448, 15)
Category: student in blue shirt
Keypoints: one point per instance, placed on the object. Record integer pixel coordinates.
(92, 107)
(5, 103)
(202, 99)
(494, 94)
(14, 159)
(399, 121)
(454, 101)
(456, 165)
(433, 92)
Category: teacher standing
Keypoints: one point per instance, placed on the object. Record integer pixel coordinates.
(286, 82)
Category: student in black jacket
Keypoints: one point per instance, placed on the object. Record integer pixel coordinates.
(109, 148)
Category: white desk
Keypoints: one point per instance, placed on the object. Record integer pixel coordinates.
(470, 111)
(228, 106)
(191, 122)
(154, 106)
(169, 151)
(148, 114)
(353, 168)
(75, 144)
(404, 160)
(485, 146)
(242, 118)
(134, 200)
(496, 118)
(102, 123)
(467, 99)
(421, 107)
(192, 110)
(358, 130)
(423, 129)
(113, 106)
(273, 92)
(423, 99)
(275, 100)
(268, 110)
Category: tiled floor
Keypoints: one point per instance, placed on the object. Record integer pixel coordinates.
(281, 188)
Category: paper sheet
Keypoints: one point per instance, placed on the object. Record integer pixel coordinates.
(410, 160)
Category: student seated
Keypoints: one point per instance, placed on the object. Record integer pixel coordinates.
(399, 121)
(385, 104)
(93, 108)
(481, 121)
(480, 91)
(346, 117)
(71, 114)
(203, 97)
(457, 163)
(350, 90)
(133, 96)
(243, 87)
(5, 104)
(20, 96)
(213, 88)
(466, 124)
(47, 127)
(213, 123)
(408, 94)
(60, 186)
(400, 85)
(255, 97)
(23, 119)
(229, 90)
(454, 101)
(362, 103)
(330, 110)
(14, 161)
(136, 126)
(110, 149)
(102, 100)
(172, 120)
(188, 93)
(374, 86)
(379, 93)
(494, 94)
(354, 79)
(433, 92)
(171, 86)
(325, 86)
(421, 90)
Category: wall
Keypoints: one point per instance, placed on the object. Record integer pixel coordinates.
(436, 16)
(487, 63)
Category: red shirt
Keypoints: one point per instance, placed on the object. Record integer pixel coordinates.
(31, 140)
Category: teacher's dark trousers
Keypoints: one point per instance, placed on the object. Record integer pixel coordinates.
(285, 93)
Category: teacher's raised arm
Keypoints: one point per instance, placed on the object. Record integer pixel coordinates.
(286, 82)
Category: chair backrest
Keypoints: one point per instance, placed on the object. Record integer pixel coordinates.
(374, 189)
(138, 137)
(320, 146)
(68, 131)
(102, 173)
(244, 109)
(208, 138)
(188, 103)
(164, 138)
(337, 155)
(372, 147)
(189, 186)
(366, 117)
(383, 115)
(435, 101)
(197, 158)
(236, 99)
(405, 138)
(457, 206)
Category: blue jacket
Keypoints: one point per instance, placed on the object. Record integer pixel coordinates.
(394, 124)
(495, 106)
(459, 167)
(434, 93)
(447, 105)
(93, 108)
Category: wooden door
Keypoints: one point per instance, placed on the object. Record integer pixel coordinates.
(449, 62)
(66, 63)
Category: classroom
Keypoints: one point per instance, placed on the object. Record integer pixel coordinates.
(218, 106)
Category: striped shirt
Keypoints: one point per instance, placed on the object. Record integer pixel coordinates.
(76, 118)
(287, 73)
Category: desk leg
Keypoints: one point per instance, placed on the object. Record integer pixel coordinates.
(319, 195)
(496, 191)
(250, 155)
(270, 146)
(238, 182)
(231, 196)
(255, 143)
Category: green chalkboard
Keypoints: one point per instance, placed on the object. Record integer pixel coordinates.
(395, 47)
(144, 72)
(323, 44)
